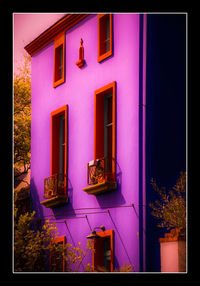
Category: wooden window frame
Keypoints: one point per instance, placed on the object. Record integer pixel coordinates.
(111, 87)
(107, 54)
(58, 41)
(58, 240)
(104, 234)
(58, 113)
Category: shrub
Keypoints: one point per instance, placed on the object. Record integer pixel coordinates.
(170, 210)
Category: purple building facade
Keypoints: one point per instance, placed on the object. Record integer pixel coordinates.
(118, 201)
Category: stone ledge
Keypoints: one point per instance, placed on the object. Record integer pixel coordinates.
(55, 201)
(100, 188)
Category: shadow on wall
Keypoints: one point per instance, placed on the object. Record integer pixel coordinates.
(115, 197)
(121, 239)
(70, 193)
(36, 206)
(67, 209)
(58, 211)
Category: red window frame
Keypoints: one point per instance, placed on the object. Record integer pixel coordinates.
(99, 123)
(62, 240)
(97, 253)
(55, 116)
(102, 54)
(59, 42)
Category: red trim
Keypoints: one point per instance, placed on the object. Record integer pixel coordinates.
(81, 60)
(103, 56)
(64, 24)
(59, 40)
(57, 240)
(54, 148)
(98, 128)
(106, 233)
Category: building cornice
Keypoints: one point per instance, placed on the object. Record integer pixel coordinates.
(64, 24)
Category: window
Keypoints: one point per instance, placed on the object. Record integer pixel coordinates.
(108, 125)
(104, 128)
(57, 261)
(59, 144)
(55, 186)
(59, 60)
(102, 257)
(101, 170)
(105, 36)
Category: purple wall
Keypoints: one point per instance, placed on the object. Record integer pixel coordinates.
(78, 93)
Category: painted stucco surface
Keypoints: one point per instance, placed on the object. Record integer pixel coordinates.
(169, 256)
(78, 93)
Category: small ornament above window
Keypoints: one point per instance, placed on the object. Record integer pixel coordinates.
(81, 60)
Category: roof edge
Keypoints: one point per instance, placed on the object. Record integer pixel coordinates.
(64, 24)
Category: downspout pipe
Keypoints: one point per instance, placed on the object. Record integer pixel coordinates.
(142, 141)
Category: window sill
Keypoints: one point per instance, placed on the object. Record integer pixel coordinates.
(100, 188)
(58, 82)
(104, 56)
(55, 201)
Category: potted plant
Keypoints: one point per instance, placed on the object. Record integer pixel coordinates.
(170, 210)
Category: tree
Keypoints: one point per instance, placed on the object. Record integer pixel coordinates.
(30, 245)
(34, 243)
(170, 210)
(22, 116)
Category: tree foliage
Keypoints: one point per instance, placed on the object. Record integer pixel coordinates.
(74, 257)
(22, 116)
(31, 245)
(170, 209)
(35, 243)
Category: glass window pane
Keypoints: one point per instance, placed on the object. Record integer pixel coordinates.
(107, 253)
(108, 132)
(59, 63)
(104, 34)
(62, 145)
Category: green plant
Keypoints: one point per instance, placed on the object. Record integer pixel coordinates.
(125, 268)
(33, 245)
(74, 257)
(170, 209)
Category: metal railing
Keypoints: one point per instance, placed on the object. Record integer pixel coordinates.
(99, 171)
(54, 185)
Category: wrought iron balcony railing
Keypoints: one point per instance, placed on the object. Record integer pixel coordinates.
(99, 171)
(96, 171)
(54, 185)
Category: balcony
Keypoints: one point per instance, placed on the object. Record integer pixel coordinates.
(100, 178)
(55, 191)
